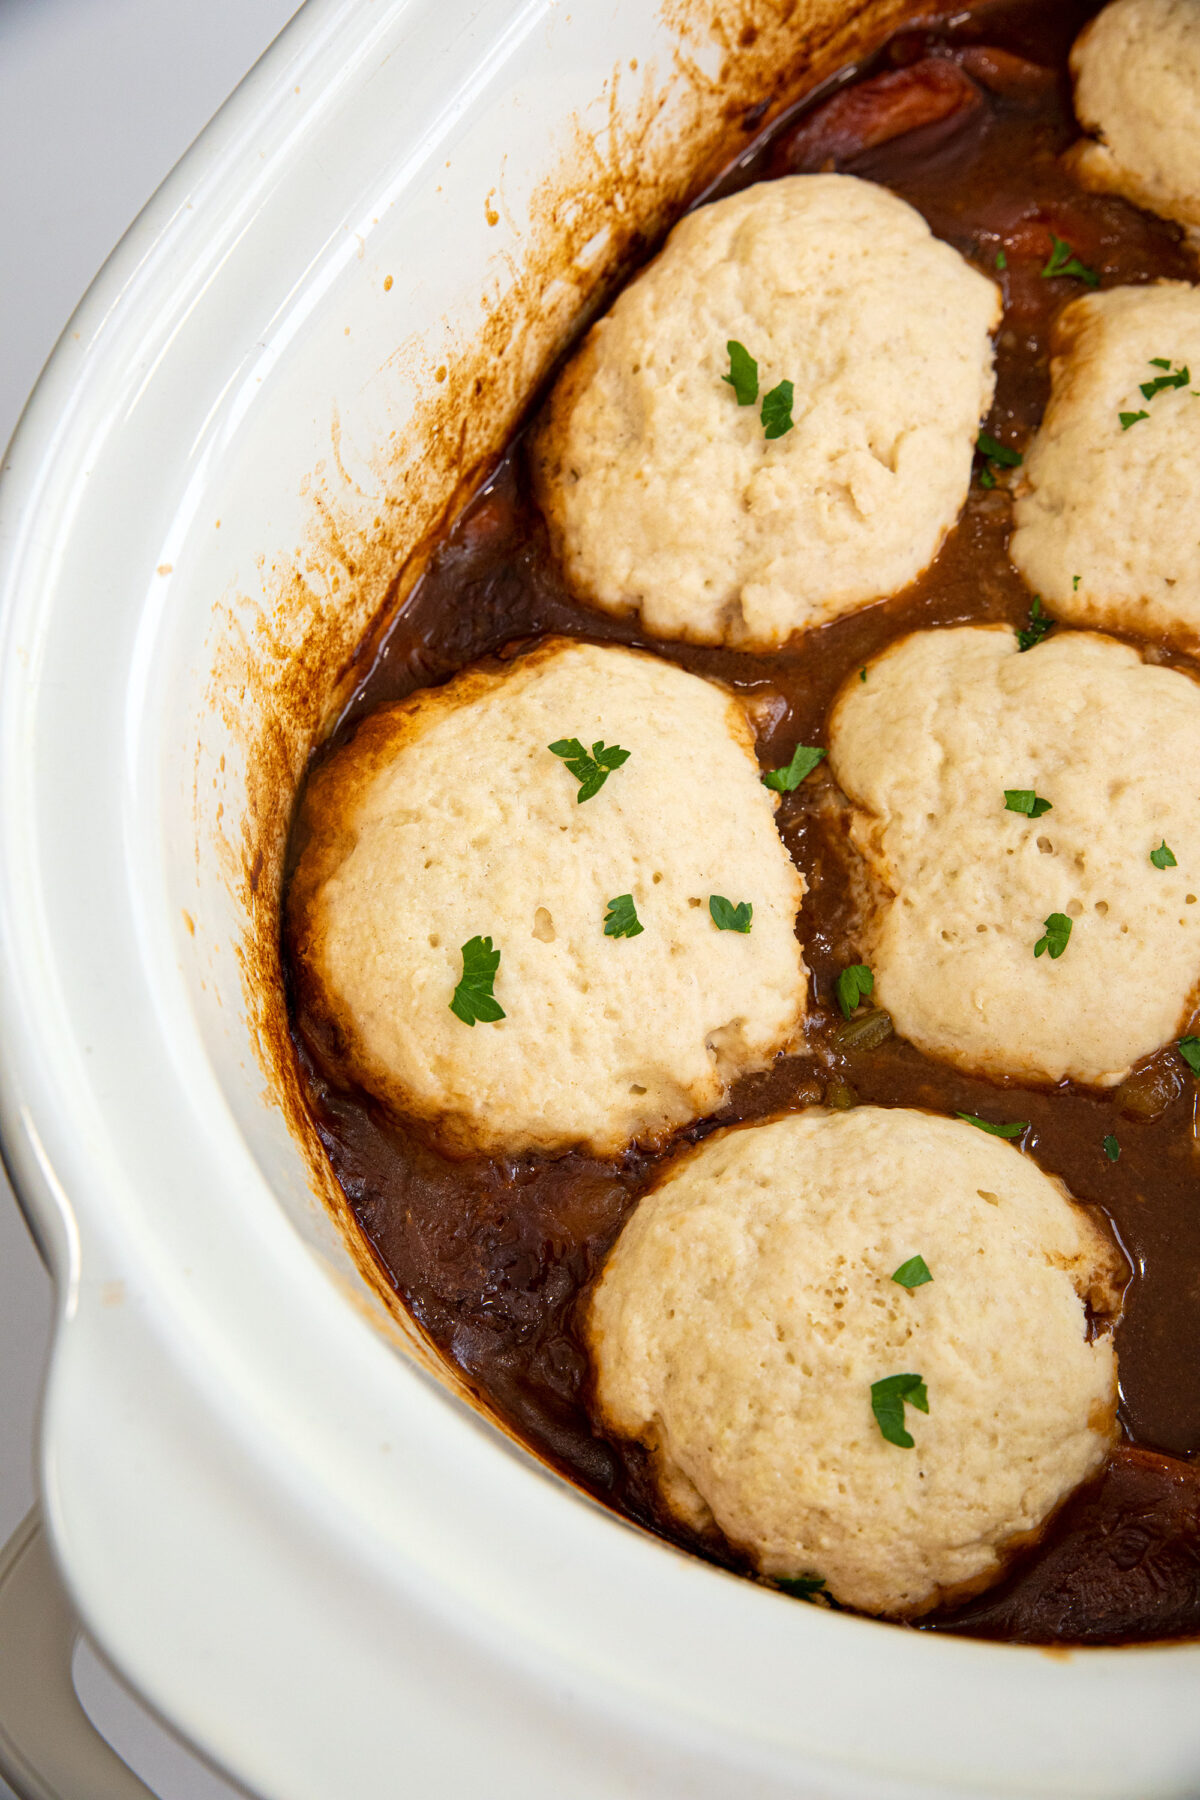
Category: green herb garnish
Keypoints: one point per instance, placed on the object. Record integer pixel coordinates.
(913, 1274)
(1178, 378)
(986, 478)
(743, 373)
(621, 920)
(1057, 930)
(800, 1587)
(997, 452)
(1063, 261)
(1128, 419)
(1189, 1049)
(1163, 857)
(1075, 580)
(804, 761)
(726, 916)
(1024, 800)
(473, 997)
(862, 674)
(776, 412)
(1039, 624)
(853, 986)
(591, 772)
(1111, 1148)
(888, 1399)
(1013, 1129)
(1001, 260)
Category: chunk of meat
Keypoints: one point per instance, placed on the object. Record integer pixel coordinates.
(1121, 1564)
(1000, 72)
(874, 112)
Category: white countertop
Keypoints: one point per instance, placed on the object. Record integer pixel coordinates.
(98, 99)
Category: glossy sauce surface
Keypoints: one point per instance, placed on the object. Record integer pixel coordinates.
(967, 122)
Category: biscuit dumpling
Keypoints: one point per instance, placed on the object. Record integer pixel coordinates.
(995, 790)
(748, 1310)
(1107, 523)
(448, 820)
(1137, 92)
(663, 493)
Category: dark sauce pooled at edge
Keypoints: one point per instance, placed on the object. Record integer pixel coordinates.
(967, 121)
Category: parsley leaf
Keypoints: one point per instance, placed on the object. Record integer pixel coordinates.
(1179, 378)
(1012, 1130)
(853, 986)
(1039, 624)
(743, 373)
(801, 1587)
(1057, 929)
(1024, 800)
(1189, 1049)
(997, 452)
(862, 674)
(776, 412)
(726, 916)
(1063, 261)
(621, 920)
(913, 1274)
(591, 772)
(887, 1403)
(986, 478)
(1001, 260)
(1128, 419)
(1075, 580)
(1111, 1148)
(804, 761)
(1163, 857)
(473, 997)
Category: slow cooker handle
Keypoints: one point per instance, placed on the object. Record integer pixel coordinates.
(49, 1748)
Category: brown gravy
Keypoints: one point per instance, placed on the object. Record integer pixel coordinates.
(966, 119)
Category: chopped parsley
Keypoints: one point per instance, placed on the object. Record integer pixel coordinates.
(800, 1587)
(1001, 260)
(1024, 800)
(1189, 1049)
(776, 412)
(853, 986)
(888, 1399)
(997, 452)
(1063, 261)
(1039, 624)
(728, 917)
(473, 997)
(1111, 1148)
(1163, 857)
(804, 761)
(1057, 929)
(862, 674)
(1075, 580)
(621, 920)
(1178, 378)
(591, 772)
(743, 373)
(913, 1274)
(1128, 419)
(1013, 1129)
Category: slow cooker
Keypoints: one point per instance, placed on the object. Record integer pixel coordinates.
(271, 1508)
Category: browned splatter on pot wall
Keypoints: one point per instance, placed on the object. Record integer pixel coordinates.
(278, 683)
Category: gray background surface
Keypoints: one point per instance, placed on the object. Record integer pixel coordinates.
(98, 100)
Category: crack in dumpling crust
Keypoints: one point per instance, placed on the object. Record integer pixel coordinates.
(749, 1308)
(664, 495)
(928, 749)
(449, 818)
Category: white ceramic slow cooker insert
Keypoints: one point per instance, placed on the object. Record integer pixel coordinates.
(282, 1526)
